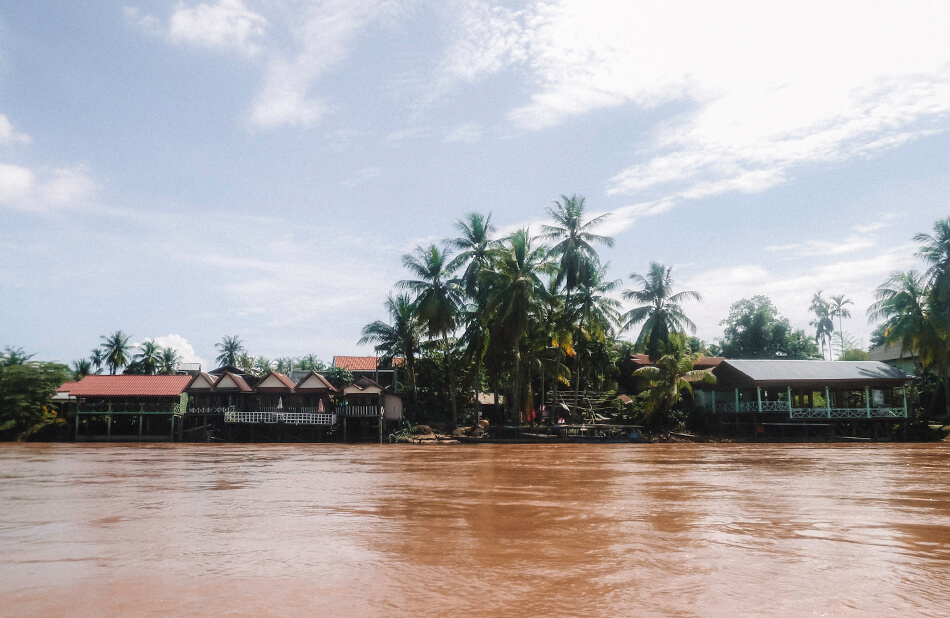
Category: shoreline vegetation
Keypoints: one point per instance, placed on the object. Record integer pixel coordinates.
(530, 329)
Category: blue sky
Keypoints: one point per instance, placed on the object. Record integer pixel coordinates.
(189, 170)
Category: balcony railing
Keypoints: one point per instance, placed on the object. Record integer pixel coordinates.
(152, 407)
(352, 411)
(749, 407)
(272, 416)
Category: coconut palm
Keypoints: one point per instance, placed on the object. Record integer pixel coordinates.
(436, 301)
(116, 347)
(262, 366)
(310, 362)
(672, 375)
(823, 322)
(596, 313)
(231, 347)
(839, 310)
(574, 239)
(97, 357)
(515, 293)
(936, 252)
(170, 359)
(659, 310)
(149, 358)
(398, 338)
(245, 362)
(81, 368)
(284, 365)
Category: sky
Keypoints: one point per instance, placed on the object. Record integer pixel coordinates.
(186, 170)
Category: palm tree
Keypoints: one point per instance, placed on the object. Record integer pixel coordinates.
(936, 251)
(116, 347)
(575, 239)
(81, 368)
(150, 357)
(97, 357)
(515, 292)
(399, 337)
(596, 313)
(170, 359)
(907, 308)
(231, 348)
(823, 323)
(436, 301)
(284, 365)
(262, 366)
(672, 375)
(839, 310)
(475, 245)
(660, 309)
(310, 362)
(245, 362)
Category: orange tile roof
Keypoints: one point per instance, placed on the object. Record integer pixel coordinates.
(356, 363)
(127, 386)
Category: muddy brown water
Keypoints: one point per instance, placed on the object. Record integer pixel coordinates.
(368, 530)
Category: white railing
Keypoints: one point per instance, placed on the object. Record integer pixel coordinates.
(290, 418)
(212, 410)
(360, 411)
(782, 406)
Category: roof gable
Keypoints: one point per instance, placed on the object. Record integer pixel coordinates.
(201, 381)
(229, 381)
(275, 380)
(313, 381)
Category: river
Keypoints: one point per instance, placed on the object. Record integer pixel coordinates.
(369, 530)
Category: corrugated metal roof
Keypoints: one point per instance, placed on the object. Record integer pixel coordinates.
(127, 386)
(892, 352)
(815, 371)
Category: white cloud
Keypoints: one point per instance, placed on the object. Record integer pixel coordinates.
(184, 349)
(410, 133)
(324, 36)
(467, 133)
(814, 247)
(766, 88)
(16, 183)
(57, 189)
(9, 136)
(227, 25)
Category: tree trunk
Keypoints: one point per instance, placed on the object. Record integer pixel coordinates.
(515, 408)
(448, 363)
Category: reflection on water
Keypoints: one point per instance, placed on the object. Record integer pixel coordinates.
(532, 529)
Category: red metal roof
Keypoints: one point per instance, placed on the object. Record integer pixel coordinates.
(127, 386)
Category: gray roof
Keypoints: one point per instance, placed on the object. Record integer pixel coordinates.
(816, 371)
(892, 352)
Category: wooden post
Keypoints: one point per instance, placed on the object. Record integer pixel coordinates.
(380, 428)
(758, 395)
(828, 401)
(344, 428)
(789, 402)
(109, 424)
(713, 401)
(867, 401)
(904, 392)
(140, 427)
(76, 436)
(172, 436)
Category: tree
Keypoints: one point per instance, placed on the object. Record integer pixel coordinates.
(262, 366)
(97, 357)
(823, 323)
(516, 290)
(116, 347)
(149, 357)
(284, 365)
(81, 368)
(839, 310)
(169, 361)
(398, 338)
(14, 356)
(231, 347)
(936, 252)
(339, 377)
(25, 393)
(659, 310)
(672, 375)
(436, 301)
(310, 362)
(574, 239)
(755, 330)
(596, 313)
(245, 362)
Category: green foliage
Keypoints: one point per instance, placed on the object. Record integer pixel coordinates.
(672, 376)
(116, 348)
(755, 330)
(231, 349)
(660, 308)
(855, 354)
(25, 392)
(14, 356)
(338, 377)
